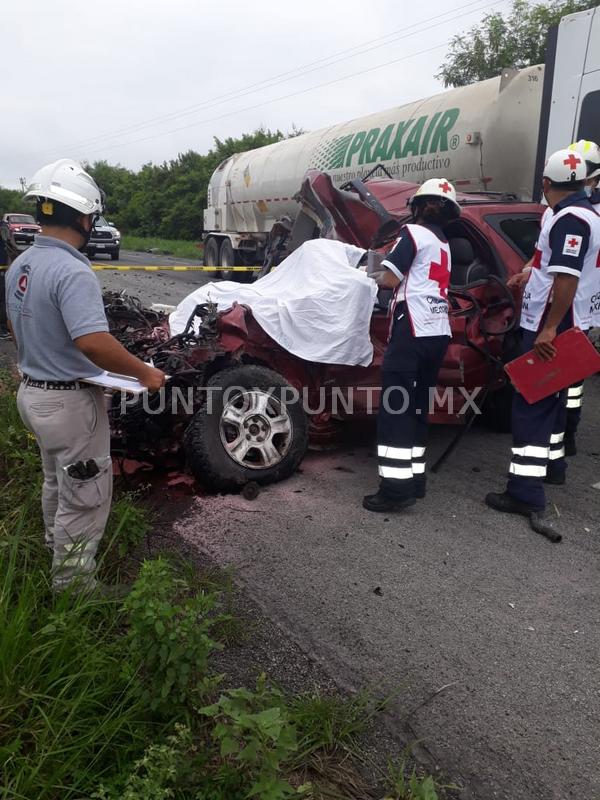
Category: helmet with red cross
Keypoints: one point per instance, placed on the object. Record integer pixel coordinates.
(440, 189)
(591, 153)
(565, 167)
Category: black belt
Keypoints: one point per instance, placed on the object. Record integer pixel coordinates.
(63, 385)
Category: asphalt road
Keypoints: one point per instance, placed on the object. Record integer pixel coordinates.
(449, 594)
(173, 285)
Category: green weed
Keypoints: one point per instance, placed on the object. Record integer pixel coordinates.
(20, 468)
(170, 638)
(254, 729)
(69, 714)
(168, 247)
(404, 786)
(332, 722)
(128, 524)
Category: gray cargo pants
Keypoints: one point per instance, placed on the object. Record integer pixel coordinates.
(69, 426)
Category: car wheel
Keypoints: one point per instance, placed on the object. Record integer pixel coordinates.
(211, 254)
(115, 254)
(251, 428)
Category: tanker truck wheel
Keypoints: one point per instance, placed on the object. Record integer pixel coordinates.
(211, 254)
(229, 258)
(251, 429)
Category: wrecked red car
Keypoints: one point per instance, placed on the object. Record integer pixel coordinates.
(254, 432)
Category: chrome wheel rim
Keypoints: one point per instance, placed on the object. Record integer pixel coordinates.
(255, 429)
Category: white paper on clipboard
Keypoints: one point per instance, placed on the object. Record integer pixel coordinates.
(120, 383)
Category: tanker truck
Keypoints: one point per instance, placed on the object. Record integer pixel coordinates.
(491, 137)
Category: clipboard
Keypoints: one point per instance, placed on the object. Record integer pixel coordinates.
(576, 358)
(120, 383)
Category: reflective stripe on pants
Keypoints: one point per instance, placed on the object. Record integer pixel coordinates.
(410, 369)
(538, 434)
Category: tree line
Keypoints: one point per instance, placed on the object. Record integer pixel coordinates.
(167, 200)
(160, 200)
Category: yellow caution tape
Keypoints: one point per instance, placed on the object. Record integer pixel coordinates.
(99, 267)
(172, 267)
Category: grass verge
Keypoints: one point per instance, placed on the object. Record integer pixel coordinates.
(168, 247)
(101, 700)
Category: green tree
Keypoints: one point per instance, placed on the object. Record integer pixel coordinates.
(167, 199)
(515, 40)
(12, 200)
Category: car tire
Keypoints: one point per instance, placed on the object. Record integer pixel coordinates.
(211, 254)
(115, 254)
(231, 442)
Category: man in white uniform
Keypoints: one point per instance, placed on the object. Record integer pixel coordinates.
(557, 297)
(418, 268)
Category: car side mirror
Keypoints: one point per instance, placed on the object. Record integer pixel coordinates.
(112, 224)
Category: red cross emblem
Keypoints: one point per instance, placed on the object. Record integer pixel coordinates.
(573, 242)
(441, 274)
(572, 161)
(445, 187)
(22, 283)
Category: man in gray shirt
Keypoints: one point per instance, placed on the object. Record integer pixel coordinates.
(56, 316)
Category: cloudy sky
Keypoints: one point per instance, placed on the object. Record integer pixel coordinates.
(132, 81)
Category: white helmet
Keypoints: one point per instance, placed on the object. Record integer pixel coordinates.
(591, 153)
(440, 188)
(565, 166)
(66, 182)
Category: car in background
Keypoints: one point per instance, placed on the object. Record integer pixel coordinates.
(22, 227)
(105, 238)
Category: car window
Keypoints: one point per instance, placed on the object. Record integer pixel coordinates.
(21, 219)
(521, 231)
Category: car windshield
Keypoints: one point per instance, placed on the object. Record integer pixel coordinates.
(21, 219)
(101, 223)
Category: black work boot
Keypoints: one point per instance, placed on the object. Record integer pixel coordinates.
(570, 444)
(506, 503)
(382, 502)
(420, 489)
(558, 478)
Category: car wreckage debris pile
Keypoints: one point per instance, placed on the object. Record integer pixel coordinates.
(145, 333)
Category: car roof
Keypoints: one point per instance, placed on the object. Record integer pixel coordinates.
(394, 195)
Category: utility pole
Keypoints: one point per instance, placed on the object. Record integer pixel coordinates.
(23, 183)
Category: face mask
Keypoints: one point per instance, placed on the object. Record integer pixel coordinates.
(433, 216)
(85, 233)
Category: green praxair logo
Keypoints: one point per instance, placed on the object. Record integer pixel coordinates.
(398, 140)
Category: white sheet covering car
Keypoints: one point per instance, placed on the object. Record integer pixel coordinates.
(316, 304)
